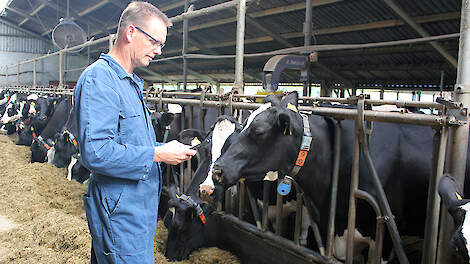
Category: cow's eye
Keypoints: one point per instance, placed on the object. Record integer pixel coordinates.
(259, 133)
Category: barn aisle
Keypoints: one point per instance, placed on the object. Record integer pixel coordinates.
(43, 216)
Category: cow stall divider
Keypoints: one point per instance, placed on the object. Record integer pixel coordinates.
(449, 115)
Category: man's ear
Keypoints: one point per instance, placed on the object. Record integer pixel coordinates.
(129, 33)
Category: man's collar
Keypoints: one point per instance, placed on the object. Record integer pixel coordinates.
(119, 70)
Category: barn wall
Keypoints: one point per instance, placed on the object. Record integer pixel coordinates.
(18, 46)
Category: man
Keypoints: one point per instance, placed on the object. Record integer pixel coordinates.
(117, 142)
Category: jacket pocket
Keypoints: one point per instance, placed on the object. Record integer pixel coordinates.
(128, 123)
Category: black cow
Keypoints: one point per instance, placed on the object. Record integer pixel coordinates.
(44, 141)
(186, 230)
(271, 142)
(65, 143)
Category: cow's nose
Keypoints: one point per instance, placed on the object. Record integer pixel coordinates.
(217, 174)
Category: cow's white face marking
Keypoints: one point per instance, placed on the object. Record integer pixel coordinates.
(271, 176)
(69, 169)
(173, 213)
(50, 155)
(175, 108)
(255, 113)
(466, 225)
(360, 242)
(222, 130)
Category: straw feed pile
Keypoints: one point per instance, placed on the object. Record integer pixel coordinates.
(42, 219)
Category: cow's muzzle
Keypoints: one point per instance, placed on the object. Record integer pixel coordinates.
(217, 174)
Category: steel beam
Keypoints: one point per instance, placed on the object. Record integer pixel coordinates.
(74, 16)
(34, 12)
(403, 15)
(342, 29)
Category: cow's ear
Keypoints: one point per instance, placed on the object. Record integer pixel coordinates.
(450, 193)
(291, 98)
(167, 219)
(273, 99)
(285, 123)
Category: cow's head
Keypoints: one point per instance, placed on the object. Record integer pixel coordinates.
(161, 122)
(76, 170)
(269, 141)
(185, 226)
(459, 208)
(221, 135)
(65, 146)
(39, 149)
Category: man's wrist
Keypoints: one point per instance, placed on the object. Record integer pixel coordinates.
(156, 158)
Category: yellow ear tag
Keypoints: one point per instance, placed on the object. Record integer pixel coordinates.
(32, 129)
(292, 107)
(55, 102)
(32, 103)
(285, 132)
(23, 102)
(458, 196)
(195, 141)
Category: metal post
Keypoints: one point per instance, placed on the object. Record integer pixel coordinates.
(6, 74)
(111, 41)
(241, 200)
(18, 76)
(307, 42)
(35, 79)
(266, 190)
(352, 200)
(432, 213)
(279, 202)
(240, 46)
(441, 86)
(185, 45)
(61, 58)
(334, 191)
(298, 217)
(458, 135)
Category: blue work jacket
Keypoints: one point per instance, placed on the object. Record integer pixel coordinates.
(117, 141)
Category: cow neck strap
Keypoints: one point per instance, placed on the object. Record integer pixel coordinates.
(304, 147)
(198, 207)
(72, 139)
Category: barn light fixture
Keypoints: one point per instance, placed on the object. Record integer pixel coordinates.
(3, 6)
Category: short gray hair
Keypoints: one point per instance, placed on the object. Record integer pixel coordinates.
(137, 13)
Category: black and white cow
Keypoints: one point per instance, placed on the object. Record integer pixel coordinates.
(186, 230)
(43, 143)
(76, 170)
(271, 141)
(459, 207)
(39, 113)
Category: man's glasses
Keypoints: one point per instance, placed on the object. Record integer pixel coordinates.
(155, 41)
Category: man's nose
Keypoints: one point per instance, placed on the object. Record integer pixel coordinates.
(157, 50)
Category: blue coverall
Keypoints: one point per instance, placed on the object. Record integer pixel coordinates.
(117, 142)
